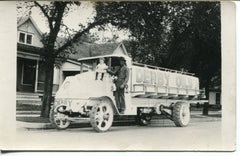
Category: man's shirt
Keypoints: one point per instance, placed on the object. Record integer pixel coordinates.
(123, 75)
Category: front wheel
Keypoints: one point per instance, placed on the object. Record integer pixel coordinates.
(181, 114)
(59, 120)
(101, 116)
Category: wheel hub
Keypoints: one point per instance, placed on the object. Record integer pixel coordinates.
(105, 116)
(185, 115)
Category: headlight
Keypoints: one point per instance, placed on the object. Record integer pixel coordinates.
(66, 85)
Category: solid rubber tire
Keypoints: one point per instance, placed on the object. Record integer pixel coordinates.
(93, 114)
(52, 121)
(177, 114)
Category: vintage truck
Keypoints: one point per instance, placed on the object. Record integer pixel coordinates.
(151, 91)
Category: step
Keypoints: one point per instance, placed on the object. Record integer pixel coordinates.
(29, 95)
(30, 99)
(26, 93)
(27, 112)
(29, 102)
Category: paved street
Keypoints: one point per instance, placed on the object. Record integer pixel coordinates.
(160, 135)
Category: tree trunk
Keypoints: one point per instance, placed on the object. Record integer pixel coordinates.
(48, 85)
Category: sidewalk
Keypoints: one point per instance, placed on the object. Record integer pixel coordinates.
(32, 120)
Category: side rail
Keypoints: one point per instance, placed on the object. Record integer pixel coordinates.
(153, 82)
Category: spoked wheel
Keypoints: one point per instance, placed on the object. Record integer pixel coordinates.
(181, 114)
(59, 120)
(101, 116)
(143, 119)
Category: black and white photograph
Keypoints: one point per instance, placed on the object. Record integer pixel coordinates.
(123, 76)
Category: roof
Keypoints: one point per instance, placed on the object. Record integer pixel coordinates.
(105, 50)
(82, 50)
(37, 50)
(102, 49)
(93, 50)
(22, 20)
(29, 48)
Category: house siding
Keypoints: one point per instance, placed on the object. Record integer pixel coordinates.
(29, 28)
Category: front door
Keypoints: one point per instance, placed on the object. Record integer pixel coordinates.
(26, 75)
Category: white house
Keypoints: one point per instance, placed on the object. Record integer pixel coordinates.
(30, 74)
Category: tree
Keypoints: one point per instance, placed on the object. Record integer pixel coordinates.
(167, 33)
(147, 23)
(197, 41)
(54, 12)
(175, 35)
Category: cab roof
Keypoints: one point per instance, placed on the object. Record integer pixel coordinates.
(102, 56)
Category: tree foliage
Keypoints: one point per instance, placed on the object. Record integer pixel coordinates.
(197, 42)
(144, 20)
(171, 34)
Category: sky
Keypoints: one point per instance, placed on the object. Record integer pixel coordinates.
(78, 14)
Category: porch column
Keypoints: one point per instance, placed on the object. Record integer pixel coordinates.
(110, 62)
(36, 77)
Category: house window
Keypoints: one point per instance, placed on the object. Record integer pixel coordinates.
(29, 39)
(21, 37)
(25, 38)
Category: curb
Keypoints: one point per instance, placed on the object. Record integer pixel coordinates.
(26, 125)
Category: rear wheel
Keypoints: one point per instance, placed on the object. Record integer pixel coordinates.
(101, 116)
(59, 120)
(181, 114)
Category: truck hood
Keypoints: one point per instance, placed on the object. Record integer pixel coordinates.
(84, 86)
